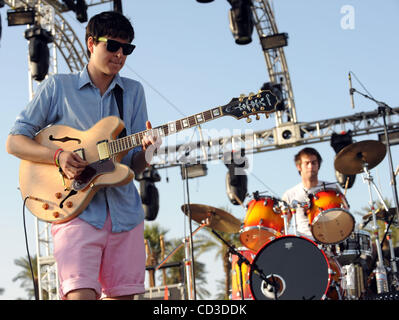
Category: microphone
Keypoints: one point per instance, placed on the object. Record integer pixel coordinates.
(351, 90)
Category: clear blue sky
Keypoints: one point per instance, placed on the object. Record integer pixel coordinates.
(186, 52)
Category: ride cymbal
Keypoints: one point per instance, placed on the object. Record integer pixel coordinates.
(351, 159)
(218, 219)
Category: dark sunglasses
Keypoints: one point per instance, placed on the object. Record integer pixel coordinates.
(113, 46)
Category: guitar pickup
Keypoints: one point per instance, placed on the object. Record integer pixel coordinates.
(103, 151)
(81, 153)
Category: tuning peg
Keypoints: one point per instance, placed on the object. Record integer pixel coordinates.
(257, 117)
(267, 115)
(251, 94)
(259, 94)
(249, 120)
(241, 98)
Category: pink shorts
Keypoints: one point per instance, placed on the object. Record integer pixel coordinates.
(112, 264)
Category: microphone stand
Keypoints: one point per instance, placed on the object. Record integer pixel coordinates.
(382, 110)
(242, 259)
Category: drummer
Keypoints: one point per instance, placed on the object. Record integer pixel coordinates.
(307, 161)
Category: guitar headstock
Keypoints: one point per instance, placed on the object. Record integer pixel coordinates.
(264, 101)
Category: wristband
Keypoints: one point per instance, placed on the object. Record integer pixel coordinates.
(56, 156)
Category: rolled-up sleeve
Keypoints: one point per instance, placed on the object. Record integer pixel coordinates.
(37, 114)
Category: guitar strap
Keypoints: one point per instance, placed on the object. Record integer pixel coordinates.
(118, 93)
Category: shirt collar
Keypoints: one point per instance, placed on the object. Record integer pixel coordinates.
(84, 79)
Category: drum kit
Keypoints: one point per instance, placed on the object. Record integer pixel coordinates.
(341, 263)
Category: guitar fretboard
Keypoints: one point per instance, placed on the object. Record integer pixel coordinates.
(134, 140)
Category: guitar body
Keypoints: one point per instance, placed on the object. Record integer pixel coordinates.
(52, 201)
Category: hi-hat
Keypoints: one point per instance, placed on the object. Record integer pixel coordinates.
(218, 219)
(351, 159)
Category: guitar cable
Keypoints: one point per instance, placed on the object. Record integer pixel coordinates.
(35, 288)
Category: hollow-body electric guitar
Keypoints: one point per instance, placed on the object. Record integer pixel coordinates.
(51, 197)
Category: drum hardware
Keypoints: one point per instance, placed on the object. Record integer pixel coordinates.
(329, 218)
(362, 157)
(262, 222)
(254, 268)
(295, 268)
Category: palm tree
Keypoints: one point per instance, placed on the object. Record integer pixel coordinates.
(153, 235)
(25, 275)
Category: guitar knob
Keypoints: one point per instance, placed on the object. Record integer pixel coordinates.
(58, 195)
(69, 204)
(56, 214)
(45, 206)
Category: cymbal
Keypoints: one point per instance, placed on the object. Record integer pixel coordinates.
(350, 160)
(218, 219)
(381, 214)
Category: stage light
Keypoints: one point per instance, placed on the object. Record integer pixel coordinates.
(193, 171)
(79, 7)
(149, 193)
(274, 41)
(118, 6)
(38, 51)
(241, 21)
(393, 137)
(19, 17)
(338, 142)
(81, 10)
(236, 178)
(277, 90)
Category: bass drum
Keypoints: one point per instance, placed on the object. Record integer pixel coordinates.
(295, 265)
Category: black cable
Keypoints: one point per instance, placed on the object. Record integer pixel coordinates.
(35, 289)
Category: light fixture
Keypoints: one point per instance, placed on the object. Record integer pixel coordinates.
(39, 54)
(274, 41)
(393, 137)
(338, 142)
(241, 21)
(21, 16)
(193, 170)
(236, 178)
(118, 6)
(149, 193)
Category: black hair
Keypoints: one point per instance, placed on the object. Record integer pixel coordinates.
(109, 23)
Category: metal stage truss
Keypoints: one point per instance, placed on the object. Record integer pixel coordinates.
(288, 132)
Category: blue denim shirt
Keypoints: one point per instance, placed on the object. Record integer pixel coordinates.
(73, 100)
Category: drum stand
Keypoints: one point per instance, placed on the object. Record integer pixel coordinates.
(242, 259)
(187, 264)
(380, 271)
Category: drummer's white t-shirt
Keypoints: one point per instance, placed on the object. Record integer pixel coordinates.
(300, 193)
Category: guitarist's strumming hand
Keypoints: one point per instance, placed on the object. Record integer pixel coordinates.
(71, 164)
(151, 141)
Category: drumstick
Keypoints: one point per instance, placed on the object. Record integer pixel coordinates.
(238, 200)
(346, 185)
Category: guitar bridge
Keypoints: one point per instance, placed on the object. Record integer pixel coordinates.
(103, 151)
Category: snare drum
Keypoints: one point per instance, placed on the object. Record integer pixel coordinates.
(262, 221)
(235, 275)
(296, 266)
(355, 248)
(329, 218)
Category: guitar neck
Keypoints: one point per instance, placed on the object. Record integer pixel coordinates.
(132, 141)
